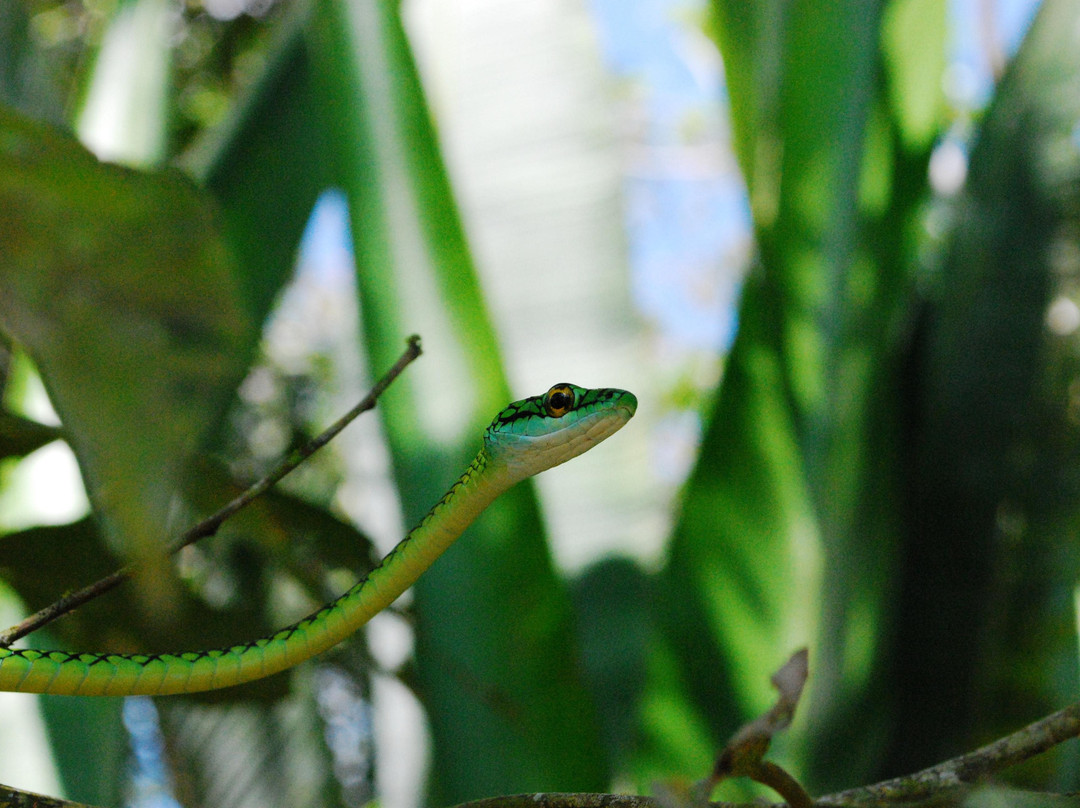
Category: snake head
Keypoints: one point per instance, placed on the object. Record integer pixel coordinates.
(542, 431)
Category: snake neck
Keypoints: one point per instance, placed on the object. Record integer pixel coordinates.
(481, 483)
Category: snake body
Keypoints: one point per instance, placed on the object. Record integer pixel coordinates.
(527, 437)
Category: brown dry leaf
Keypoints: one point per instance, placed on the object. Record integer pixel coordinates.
(743, 753)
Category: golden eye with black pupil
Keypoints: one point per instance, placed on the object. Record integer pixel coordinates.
(558, 401)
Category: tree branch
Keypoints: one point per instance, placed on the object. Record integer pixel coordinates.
(560, 800)
(14, 798)
(947, 783)
(564, 800)
(210, 525)
(962, 773)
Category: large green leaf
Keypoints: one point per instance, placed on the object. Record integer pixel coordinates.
(119, 286)
(744, 563)
(913, 40)
(787, 529)
(507, 706)
(613, 601)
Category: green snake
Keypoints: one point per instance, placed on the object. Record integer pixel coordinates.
(526, 438)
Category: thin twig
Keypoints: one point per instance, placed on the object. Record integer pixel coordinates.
(210, 525)
(769, 774)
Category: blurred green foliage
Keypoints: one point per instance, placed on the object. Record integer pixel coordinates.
(889, 473)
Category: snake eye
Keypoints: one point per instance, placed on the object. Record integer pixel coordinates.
(558, 401)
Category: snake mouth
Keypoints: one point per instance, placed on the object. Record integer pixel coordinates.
(609, 423)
